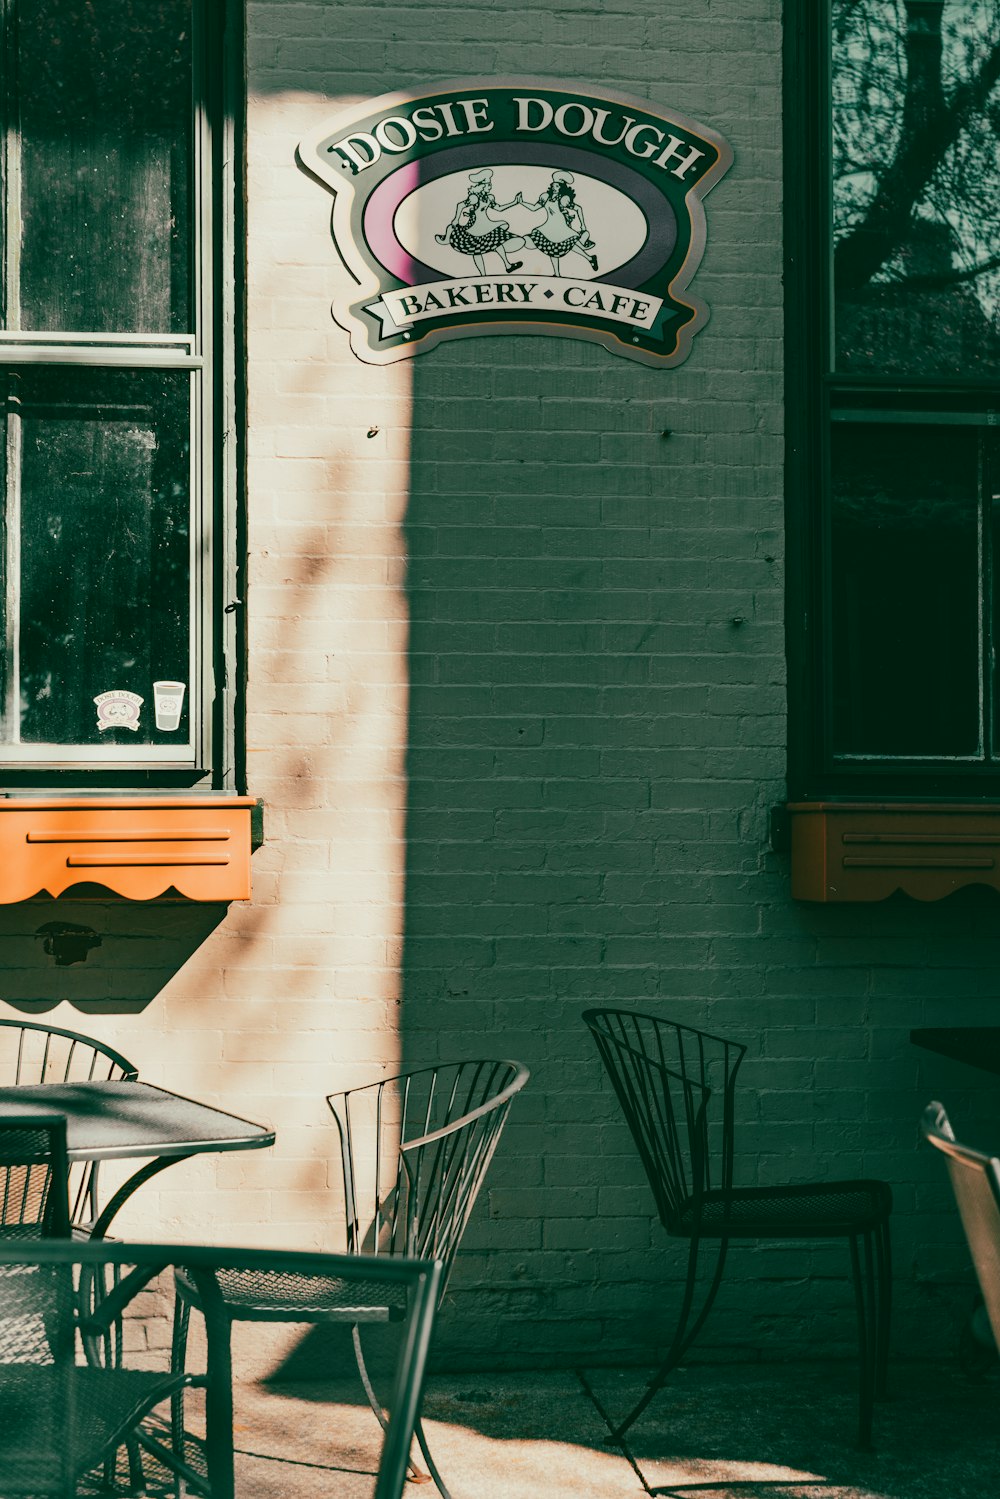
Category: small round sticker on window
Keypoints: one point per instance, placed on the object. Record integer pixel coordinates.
(118, 710)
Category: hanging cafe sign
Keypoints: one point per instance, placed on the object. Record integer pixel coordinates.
(518, 207)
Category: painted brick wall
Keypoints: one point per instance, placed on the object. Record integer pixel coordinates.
(590, 678)
(538, 587)
(517, 709)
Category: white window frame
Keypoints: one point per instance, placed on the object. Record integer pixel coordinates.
(208, 755)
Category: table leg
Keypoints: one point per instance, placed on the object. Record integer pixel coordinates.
(117, 1202)
(91, 1288)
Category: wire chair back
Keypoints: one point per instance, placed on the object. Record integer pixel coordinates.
(665, 1076)
(975, 1180)
(32, 1053)
(415, 1149)
(34, 1198)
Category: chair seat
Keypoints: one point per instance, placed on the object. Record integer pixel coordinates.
(263, 1295)
(32, 1398)
(808, 1210)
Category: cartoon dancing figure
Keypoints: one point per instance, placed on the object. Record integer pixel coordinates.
(564, 231)
(473, 229)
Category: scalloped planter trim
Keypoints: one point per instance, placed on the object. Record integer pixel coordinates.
(865, 851)
(138, 847)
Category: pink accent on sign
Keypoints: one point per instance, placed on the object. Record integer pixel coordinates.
(380, 213)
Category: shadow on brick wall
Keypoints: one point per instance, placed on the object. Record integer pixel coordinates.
(100, 955)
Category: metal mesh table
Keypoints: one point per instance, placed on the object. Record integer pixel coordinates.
(108, 1121)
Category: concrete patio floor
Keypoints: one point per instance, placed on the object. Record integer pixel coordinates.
(782, 1431)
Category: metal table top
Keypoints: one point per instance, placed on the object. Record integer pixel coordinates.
(117, 1120)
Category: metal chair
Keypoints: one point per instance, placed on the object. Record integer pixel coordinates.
(975, 1180)
(415, 1150)
(34, 1053)
(61, 1418)
(65, 1413)
(666, 1077)
(34, 1204)
(34, 1197)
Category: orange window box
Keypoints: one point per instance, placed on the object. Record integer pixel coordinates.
(865, 851)
(139, 847)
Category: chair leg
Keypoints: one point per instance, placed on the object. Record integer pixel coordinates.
(883, 1249)
(359, 1358)
(864, 1295)
(415, 1474)
(107, 1351)
(178, 1353)
(219, 1408)
(431, 1464)
(136, 1472)
(683, 1337)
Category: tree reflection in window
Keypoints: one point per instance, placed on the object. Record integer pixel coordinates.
(915, 139)
(103, 119)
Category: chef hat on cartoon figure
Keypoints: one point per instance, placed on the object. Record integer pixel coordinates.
(562, 176)
(484, 174)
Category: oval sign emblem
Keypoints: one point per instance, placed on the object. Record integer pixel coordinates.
(513, 207)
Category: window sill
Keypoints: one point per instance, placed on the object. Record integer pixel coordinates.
(865, 851)
(138, 846)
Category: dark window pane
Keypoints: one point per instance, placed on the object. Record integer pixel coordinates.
(104, 102)
(916, 101)
(905, 590)
(105, 556)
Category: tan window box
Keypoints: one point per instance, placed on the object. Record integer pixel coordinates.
(864, 851)
(137, 846)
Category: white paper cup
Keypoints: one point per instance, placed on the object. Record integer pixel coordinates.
(168, 698)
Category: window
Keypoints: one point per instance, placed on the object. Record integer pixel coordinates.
(118, 548)
(894, 397)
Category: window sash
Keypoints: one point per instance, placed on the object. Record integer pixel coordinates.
(106, 425)
(192, 351)
(924, 311)
(818, 399)
(888, 603)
